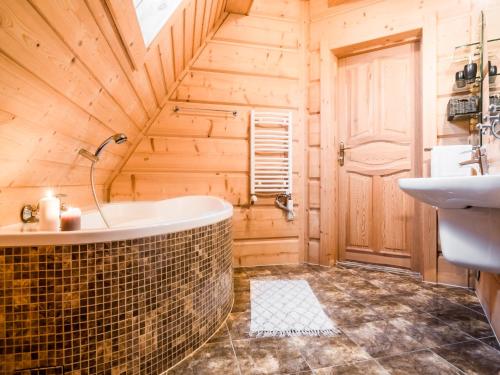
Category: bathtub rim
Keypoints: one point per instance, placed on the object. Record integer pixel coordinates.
(122, 233)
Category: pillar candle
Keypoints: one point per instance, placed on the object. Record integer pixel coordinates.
(48, 213)
(71, 219)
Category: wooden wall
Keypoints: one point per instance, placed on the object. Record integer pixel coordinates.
(349, 23)
(66, 82)
(251, 62)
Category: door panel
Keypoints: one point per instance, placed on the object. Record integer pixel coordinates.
(377, 123)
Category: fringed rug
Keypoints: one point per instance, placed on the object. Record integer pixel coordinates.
(287, 308)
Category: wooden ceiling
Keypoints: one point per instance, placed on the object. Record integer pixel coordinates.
(68, 81)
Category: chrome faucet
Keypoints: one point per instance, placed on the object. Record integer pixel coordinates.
(478, 157)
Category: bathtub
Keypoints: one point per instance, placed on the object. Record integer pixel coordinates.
(136, 298)
(128, 220)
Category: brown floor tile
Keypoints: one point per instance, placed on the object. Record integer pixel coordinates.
(362, 368)
(418, 363)
(239, 325)
(428, 330)
(473, 357)
(329, 351)
(349, 313)
(388, 316)
(492, 341)
(425, 301)
(397, 285)
(380, 338)
(241, 284)
(260, 271)
(387, 306)
(340, 275)
(241, 302)
(361, 288)
(467, 320)
(463, 297)
(215, 358)
(222, 335)
(331, 294)
(269, 356)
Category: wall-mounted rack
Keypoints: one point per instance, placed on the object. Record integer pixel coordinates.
(177, 109)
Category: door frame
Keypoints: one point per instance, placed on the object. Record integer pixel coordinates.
(424, 261)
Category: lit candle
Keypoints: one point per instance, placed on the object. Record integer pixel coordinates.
(48, 213)
(71, 219)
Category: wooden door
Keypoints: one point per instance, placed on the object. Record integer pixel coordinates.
(378, 123)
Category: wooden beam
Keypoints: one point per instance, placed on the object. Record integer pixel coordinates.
(334, 3)
(239, 6)
(427, 214)
(328, 163)
(125, 19)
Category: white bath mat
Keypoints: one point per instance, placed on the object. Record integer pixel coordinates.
(287, 308)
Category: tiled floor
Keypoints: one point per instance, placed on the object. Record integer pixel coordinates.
(391, 324)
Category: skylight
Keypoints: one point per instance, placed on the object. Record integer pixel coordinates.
(153, 15)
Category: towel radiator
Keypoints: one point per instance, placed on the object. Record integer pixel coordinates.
(271, 158)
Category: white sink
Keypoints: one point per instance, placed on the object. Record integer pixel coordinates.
(455, 192)
(468, 215)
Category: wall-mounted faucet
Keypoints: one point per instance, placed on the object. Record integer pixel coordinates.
(94, 158)
(29, 212)
(478, 157)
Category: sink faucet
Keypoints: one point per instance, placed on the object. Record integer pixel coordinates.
(478, 157)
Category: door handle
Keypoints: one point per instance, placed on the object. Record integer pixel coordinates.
(342, 148)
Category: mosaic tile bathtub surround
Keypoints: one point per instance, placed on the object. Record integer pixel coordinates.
(127, 307)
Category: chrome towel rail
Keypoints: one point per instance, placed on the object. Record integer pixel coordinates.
(188, 109)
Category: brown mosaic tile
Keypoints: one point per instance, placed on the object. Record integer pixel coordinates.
(136, 306)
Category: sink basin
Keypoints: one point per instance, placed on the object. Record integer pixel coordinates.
(468, 216)
(455, 192)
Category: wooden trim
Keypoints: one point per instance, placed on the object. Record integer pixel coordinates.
(125, 19)
(427, 214)
(386, 258)
(302, 128)
(328, 165)
(239, 6)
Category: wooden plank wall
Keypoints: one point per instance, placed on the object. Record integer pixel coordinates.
(350, 23)
(66, 83)
(254, 61)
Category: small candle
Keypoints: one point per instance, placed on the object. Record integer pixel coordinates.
(71, 219)
(48, 213)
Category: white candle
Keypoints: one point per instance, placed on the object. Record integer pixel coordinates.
(48, 213)
(71, 219)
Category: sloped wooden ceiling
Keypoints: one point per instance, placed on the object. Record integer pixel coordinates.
(66, 82)
(255, 61)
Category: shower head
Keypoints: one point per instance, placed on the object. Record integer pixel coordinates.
(117, 138)
(120, 138)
